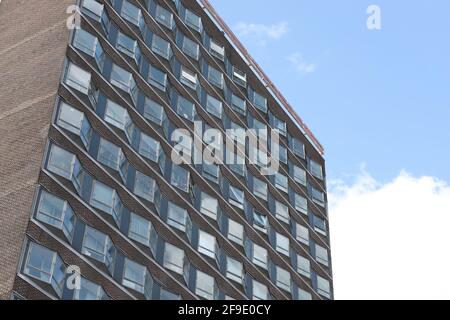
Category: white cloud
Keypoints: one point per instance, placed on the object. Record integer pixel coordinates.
(300, 64)
(391, 241)
(262, 32)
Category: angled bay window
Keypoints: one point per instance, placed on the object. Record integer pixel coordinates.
(191, 48)
(132, 14)
(56, 212)
(320, 225)
(260, 256)
(90, 291)
(116, 115)
(211, 172)
(215, 77)
(61, 162)
(318, 196)
(316, 169)
(260, 102)
(136, 277)
(164, 16)
(106, 199)
(283, 154)
(144, 186)
(297, 147)
(282, 212)
(161, 47)
(278, 124)
(89, 44)
(300, 203)
(260, 221)
(205, 286)
(239, 105)
(140, 229)
(236, 197)
(78, 78)
(185, 108)
(99, 246)
(209, 206)
(75, 121)
(235, 270)
(214, 106)
(259, 291)
(154, 112)
(261, 129)
(282, 244)
(157, 78)
(323, 287)
(93, 9)
(149, 147)
(240, 77)
(207, 244)
(217, 50)
(166, 295)
(303, 266)
(193, 21)
(128, 46)
(299, 175)
(283, 279)
(281, 182)
(45, 265)
(188, 78)
(260, 189)
(321, 255)
(237, 163)
(304, 295)
(109, 154)
(174, 258)
(302, 234)
(235, 232)
(177, 217)
(124, 80)
(237, 133)
(180, 178)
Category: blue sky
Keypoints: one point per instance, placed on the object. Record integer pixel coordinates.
(379, 98)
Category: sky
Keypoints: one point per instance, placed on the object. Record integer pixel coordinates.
(379, 102)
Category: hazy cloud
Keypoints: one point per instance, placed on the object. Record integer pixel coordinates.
(262, 32)
(300, 63)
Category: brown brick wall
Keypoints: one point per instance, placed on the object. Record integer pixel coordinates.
(33, 39)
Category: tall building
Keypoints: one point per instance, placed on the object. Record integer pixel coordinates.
(92, 100)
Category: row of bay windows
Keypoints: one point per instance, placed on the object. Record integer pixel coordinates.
(159, 80)
(81, 80)
(106, 200)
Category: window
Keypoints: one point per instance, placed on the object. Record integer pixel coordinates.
(131, 13)
(301, 204)
(239, 77)
(300, 175)
(157, 78)
(278, 125)
(282, 244)
(61, 162)
(74, 121)
(260, 291)
(193, 21)
(323, 287)
(302, 234)
(149, 147)
(235, 270)
(261, 129)
(283, 154)
(215, 77)
(153, 111)
(320, 225)
(304, 295)
(161, 46)
(166, 295)
(321, 255)
(180, 178)
(211, 172)
(188, 78)
(89, 291)
(173, 258)
(85, 42)
(281, 182)
(303, 266)
(109, 154)
(316, 169)
(177, 217)
(102, 197)
(134, 276)
(140, 229)
(144, 186)
(45, 265)
(318, 196)
(237, 133)
(186, 109)
(209, 206)
(207, 244)
(77, 78)
(129, 46)
(282, 212)
(164, 17)
(283, 279)
(260, 221)
(122, 79)
(260, 256)
(235, 232)
(236, 197)
(217, 50)
(190, 48)
(214, 106)
(99, 246)
(205, 286)
(260, 102)
(93, 9)
(260, 189)
(237, 162)
(238, 105)
(298, 147)
(116, 115)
